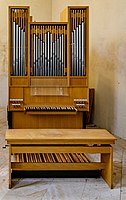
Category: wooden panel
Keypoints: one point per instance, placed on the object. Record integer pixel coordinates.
(64, 15)
(47, 91)
(58, 149)
(19, 81)
(79, 92)
(59, 136)
(57, 166)
(31, 99)
(51, 113)
(22, 120)
(78, 81)
(65, 96)
(50, 81)
(107, 173)
(16, 93)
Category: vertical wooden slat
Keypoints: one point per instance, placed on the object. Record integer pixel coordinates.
(40, 157)
(78, 157)
(53, 157)
(22, 155)
(10, 170)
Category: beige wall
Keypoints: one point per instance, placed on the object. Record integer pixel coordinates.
(108, 64)
(41, 10)
(107, 27)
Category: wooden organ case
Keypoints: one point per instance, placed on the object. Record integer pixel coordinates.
(48, 70)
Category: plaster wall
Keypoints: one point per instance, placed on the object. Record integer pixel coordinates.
(107, 63)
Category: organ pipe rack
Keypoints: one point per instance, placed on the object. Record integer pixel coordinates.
(78, 37)
(48, 70)
(18, 27)
(47, 49)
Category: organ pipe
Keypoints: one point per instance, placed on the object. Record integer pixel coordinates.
(18, 41)
(78, 42)
(47, 53)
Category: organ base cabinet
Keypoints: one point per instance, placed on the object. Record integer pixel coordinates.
(21, 120)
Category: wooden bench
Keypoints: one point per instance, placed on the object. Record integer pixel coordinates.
(60, 149)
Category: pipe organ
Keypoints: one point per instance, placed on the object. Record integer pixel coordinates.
(48, 69)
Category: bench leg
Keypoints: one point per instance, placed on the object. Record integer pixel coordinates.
(10, 185)
(107, 173)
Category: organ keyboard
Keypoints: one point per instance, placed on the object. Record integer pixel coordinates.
(50, 108)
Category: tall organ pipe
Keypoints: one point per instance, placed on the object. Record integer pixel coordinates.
(14, 49)
(83, 51)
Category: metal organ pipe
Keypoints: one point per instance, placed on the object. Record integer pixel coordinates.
(13, 48)
(41, 56)
(83, 50)
(51, 56)
(18, 60)
(47, 50)
(62, 54)
(39, 64)
(78, 43)
(47, 46)
(17, 50)
(48, 53)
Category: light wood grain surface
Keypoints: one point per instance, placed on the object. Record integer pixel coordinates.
(59, 136)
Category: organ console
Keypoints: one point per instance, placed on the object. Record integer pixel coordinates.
(48, 69)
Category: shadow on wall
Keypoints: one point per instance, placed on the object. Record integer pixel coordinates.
(3, 75)
(104, 70)
(3, 58)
